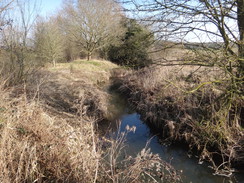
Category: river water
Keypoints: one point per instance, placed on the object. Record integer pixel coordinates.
(177, 155)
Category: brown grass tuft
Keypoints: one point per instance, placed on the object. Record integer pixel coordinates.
(37, 147)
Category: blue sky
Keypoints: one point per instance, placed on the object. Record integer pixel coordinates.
(50, 6)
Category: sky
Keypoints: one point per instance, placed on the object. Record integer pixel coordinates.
(50, 6)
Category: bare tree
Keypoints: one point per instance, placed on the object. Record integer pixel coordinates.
(218, 21)
(49, 40)
(92, 24)
(16, 39)
(207, 22)
(4, 5)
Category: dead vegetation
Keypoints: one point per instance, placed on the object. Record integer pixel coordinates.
(39, 147)
(77, 88)
(49, 132)
(48, 128)
(145, 167)
(184, 104)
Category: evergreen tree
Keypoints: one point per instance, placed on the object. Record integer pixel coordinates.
(133, 50)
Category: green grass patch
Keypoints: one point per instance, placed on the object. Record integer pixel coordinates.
(93, 63)
(84, 65)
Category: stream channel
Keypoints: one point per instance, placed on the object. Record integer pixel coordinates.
(176, 154)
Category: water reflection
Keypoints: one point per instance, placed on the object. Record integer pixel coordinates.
(176, 155)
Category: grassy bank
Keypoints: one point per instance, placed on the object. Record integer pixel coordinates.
(49, 133)
(185, 105)
(48, 124)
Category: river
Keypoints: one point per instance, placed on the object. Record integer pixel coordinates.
(177, 155)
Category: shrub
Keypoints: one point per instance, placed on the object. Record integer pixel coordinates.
(133, 51)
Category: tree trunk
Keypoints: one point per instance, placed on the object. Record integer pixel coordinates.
(240, 74)
(89, 55)
(240, 19)
(54, 63)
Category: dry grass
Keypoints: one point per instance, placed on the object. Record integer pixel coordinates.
(37, 147)
(183, 103)
(145, 167)
(94, 72)
(171, 81)
(48, 126)
(79, 87)
(48, 131)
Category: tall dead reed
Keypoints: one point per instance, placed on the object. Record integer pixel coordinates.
(37, 147)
